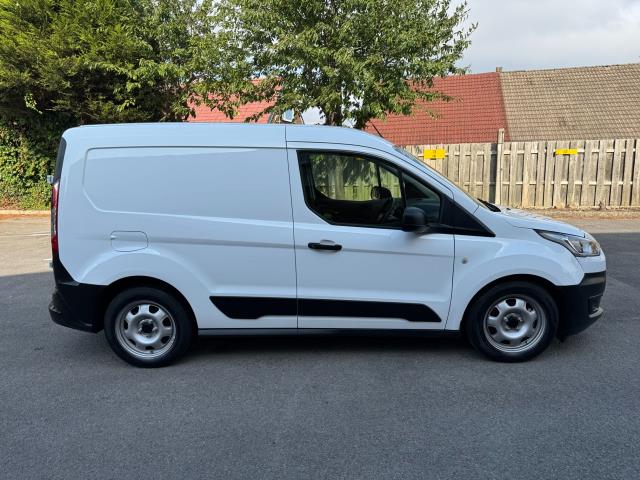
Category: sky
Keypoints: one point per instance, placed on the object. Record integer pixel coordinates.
(533, 34)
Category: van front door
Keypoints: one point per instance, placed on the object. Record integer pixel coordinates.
(356, 268)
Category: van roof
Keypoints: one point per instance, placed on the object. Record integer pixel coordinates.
(218, 134)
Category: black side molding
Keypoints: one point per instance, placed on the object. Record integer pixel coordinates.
(252, 308)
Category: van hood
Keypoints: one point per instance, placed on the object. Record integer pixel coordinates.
(523, 219)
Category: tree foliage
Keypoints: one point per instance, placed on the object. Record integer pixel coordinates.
(97, 61)
(68, 62)
(353, 59)
(65, 63)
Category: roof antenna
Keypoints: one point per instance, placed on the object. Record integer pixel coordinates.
(376, 129)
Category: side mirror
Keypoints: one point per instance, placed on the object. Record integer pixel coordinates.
(414, 220)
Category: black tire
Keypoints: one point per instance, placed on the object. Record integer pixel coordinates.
(177, 322)
(486, 339)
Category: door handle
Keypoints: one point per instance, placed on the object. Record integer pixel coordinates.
(334, 247)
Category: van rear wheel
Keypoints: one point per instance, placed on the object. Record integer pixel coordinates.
(512, 322)
(148, 327)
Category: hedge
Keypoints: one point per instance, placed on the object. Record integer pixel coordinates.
(27, 156)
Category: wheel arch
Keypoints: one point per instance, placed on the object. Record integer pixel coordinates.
(534, 279)
(122, 284)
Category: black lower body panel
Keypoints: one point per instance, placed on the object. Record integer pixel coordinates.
(350, 332)
(75, 305)
(581, 305)
(252, 308)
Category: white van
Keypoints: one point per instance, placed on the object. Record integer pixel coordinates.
(161, 232)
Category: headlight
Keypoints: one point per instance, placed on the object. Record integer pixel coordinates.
(579, 246)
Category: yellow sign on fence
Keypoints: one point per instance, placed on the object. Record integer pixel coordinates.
(435, 153)
(566, 151)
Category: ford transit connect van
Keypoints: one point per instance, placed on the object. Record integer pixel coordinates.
(161, 232)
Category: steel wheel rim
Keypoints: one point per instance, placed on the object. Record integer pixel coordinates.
(145, 329)
(514, 323)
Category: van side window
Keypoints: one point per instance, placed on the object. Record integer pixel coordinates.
(419, 195)
(351, 189)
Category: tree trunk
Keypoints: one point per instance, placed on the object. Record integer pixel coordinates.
(334, 118)
(339, 178)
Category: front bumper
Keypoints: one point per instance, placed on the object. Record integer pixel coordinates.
(580, 306)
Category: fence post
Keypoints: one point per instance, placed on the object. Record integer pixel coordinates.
(498, 185)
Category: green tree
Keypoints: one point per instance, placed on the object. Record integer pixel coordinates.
(97, 61)
(353, 59)
(192, 61)
(66, 62)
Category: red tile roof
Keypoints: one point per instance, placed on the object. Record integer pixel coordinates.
(474, 114)
(205, 114)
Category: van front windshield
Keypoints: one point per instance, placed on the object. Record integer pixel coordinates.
(416, 162)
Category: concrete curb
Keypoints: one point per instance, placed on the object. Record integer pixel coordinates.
(37, 213)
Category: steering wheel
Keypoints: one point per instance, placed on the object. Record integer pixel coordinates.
(386, 210)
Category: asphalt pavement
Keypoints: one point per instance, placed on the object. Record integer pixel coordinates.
(319, 407)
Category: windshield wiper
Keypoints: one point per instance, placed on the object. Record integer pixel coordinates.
(490, 206)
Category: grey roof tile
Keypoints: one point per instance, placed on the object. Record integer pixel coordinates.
(573, 103)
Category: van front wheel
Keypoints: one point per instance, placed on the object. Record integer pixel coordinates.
(512, 322)
(147, 327)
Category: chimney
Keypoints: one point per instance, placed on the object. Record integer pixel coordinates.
(498, 69)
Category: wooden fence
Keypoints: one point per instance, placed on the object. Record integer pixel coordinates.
(578, 173)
